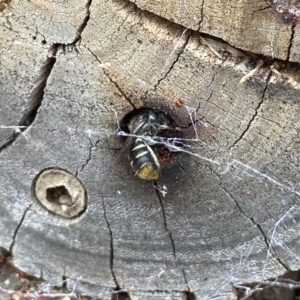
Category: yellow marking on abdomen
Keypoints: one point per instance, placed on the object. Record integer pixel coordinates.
(139, 147)
(141, 154)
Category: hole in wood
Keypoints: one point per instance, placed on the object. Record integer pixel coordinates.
(120, 295)
(151, 137)
(190, 296)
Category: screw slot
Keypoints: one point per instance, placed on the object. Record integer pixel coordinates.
(59, 195)
(60, 192)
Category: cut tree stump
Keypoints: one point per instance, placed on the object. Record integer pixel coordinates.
(223, 216)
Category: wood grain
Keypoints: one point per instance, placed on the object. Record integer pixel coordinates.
(231, 209)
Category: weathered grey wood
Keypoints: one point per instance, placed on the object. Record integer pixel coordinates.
(257, 26)
(231, 209)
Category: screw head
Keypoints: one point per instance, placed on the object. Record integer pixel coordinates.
(60, 192)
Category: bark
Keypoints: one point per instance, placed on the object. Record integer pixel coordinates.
(223, 213)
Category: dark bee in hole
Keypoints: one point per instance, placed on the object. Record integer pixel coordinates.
(145, 146)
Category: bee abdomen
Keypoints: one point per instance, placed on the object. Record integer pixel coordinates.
(139, 154)
(143, 160)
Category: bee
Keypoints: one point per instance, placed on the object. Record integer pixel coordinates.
(144, 158)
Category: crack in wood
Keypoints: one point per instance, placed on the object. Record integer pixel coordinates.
(36, 97)
(181, 166)
(260, 9)
(164, 217)
(64, 279)
(84, 22)
(11, 247)
(120, 295)
(88, 159)
(269, 246)
(111, 247)
(291, 41)
(190, 295)
(134, 9)
(161, 291)
(185, 278)
(202, 14)
(189, 34)
(123, 5)
(110, 79)
(212, 81)
(255, 113)
(170, 235)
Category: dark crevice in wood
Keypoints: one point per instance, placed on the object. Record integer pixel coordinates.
(11, 248)
(112, 149)
(166, 22)
(188, 293)
(181, 166)
(164, 216)
(111, 247)
(203, 117)
(189, 34)
(84, 22)
(268, 60)
(168, 292)
(209, 97)
(290, 276)
(148, 14)
(110, 79)
(255, 113)
(195, 122)
(269, 246)
(35, 99)
(88, 159)
(291, 41)
(213, 79)
(64, 279)
(190, 296)
(120, 295)
(64, 288)
(261, 9)
(202, 14)
(129, 7)
(170, 234)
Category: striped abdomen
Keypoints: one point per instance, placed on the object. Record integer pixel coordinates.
(143, 160)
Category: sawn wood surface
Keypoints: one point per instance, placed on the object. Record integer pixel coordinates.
(224, 213)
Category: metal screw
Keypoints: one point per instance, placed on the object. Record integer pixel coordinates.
(60, 192)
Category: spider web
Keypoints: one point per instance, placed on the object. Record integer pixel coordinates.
(273, 240)
(235, 169)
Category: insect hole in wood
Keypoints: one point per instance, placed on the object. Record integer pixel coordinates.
(150, 141)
